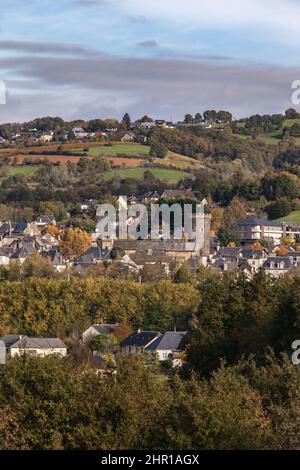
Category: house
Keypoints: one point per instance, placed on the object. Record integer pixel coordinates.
(45, 137)
(178, 193)
(253, 230)
(277, 266)
(98, 329)
(87, 205)
(168, 345)
(147, 125)
(138, 342)
(5, 253)
(45, 220)
(2, 353)
(79, 133)
(56, 258)
(37, 346)
(255, 257)
(92, 256)
(128, 137)
(294, 257)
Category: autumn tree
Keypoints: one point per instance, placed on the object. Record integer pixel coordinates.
(74, 242)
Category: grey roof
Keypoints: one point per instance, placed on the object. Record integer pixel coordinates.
(45, 219)
(170, 340)
(38, 343)
(253, 253)
(105, 328)
(92, 255)
(10, 339)
(230, 252)
(294, 253)
(256, 221)
(54, 256)
(155, 245)
(278, 259)
(140, 338)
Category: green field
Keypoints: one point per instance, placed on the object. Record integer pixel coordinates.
(173, 176)
(290, 122)
(130, 150)
(292, 217)
(21, 170)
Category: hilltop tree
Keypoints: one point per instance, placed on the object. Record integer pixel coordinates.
(188, 119)
(126, 121)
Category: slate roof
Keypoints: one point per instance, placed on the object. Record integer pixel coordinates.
(142, 338)
(257, 221)
(105, 328)
(155, 245)
(278, 259)
(54, 256)
(20, 227)
(9, 340)
(92, 255)
(39, 343)
(253, 253)
(170, 340)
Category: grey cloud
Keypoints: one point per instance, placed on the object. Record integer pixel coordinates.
(35, 47)
(166, 88)
(148, 43)
(139, 19)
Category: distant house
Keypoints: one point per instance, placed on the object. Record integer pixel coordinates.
(87, 205)
(45, 137)
(56, 258)
(4, 256)
(92, 256)
(43, 221)
(9, 340)
(138, 342)
(147, 125)
(2, 353)
(98, 329)
(36, 346)
(294, 257)
(79, 133)
(128, 137)
(168, 345)
(178, 193)
(277, 266)
(254, 229)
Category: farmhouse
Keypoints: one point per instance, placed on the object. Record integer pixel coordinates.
(20, 344)
(138, 342)
(168, 345)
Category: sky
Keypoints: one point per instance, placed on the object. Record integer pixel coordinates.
(85, 59)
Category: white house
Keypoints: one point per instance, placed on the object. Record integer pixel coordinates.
(37, 346)
(168, 345)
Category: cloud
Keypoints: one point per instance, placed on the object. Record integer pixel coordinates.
(148, 43)
(37, 47)
(273, 16)
(102, 86)
(140, 19)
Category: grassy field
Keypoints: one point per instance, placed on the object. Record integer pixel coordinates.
(134, 150)
(292, 217)
(173, 176)
(290, 122)
(22, 170)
